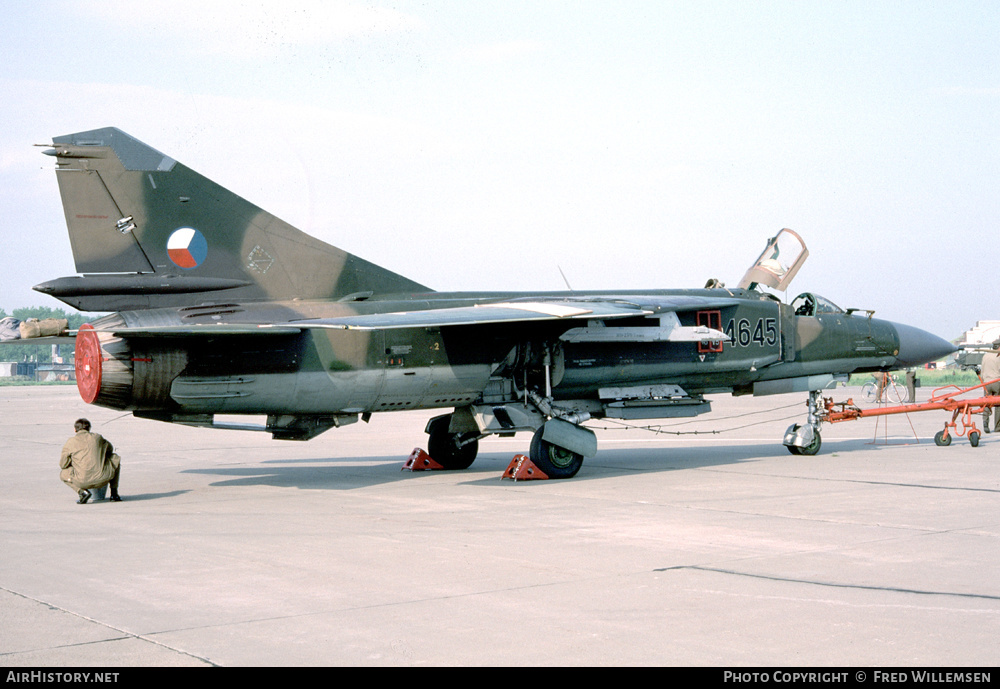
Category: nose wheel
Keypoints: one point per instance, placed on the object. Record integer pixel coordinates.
(810, 449)
(804, 439)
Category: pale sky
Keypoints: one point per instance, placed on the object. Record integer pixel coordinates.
(484, 145)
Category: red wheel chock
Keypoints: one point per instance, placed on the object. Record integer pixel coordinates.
(523, 469)
(420, 461)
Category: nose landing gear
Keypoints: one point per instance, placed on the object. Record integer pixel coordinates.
(804, 439)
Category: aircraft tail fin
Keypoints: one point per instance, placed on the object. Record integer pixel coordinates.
(156, 232)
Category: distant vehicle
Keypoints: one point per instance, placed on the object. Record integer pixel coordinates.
(222, 308)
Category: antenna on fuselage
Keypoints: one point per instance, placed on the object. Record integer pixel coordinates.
(570, 288)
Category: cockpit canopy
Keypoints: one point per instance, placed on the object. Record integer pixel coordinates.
(809, 304)
(778, 263)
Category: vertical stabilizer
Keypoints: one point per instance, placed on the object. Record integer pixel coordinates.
(151, 232)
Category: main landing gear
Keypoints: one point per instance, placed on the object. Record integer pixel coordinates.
(558, 446)
(451, 450)
(554, 461)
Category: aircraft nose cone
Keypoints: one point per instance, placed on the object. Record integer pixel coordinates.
(918, 346)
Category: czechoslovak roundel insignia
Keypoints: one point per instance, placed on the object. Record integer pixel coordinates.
(187, 248)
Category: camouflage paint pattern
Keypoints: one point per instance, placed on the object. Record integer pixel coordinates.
(192, 270)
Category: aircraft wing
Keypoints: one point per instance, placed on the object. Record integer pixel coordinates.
(47, 340)
(507, 312)
(479, 314)
(604, 308)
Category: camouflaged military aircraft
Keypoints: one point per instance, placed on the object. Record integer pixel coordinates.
(222, 308)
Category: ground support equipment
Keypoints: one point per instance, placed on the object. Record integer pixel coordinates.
(963, 411)
(420, 461)
(521, 468)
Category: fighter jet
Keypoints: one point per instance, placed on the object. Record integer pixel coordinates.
(222, 308)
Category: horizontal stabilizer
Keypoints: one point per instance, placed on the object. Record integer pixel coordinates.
(206, 330)
(48, 340)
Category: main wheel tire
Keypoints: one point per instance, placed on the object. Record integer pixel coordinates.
(443, 447)
(554, 461)
(941, 439)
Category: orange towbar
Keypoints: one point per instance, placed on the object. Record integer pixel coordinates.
(947, 398)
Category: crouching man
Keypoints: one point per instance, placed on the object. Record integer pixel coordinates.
(89, 461)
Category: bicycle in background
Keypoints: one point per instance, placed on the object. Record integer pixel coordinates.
(884, 387)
